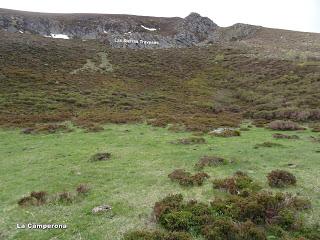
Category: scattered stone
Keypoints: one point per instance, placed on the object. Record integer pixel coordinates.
(225, 132)
(101, 209)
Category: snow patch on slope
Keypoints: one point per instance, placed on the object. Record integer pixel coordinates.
(63, 36)
(149, 29)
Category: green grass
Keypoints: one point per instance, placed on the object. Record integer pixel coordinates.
(136, 176)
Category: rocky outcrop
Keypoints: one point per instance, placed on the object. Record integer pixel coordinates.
(121, 31)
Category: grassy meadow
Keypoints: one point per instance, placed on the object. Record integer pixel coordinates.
(135, 177)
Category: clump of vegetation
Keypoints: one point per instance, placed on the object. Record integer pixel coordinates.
(27, 201)
(100, 157)
(268, 145)
(34, 199)
(156, 235)
(191, 140)
(263, 208)
(225, 132)
(82, 189)
(47, 129)
(316, 128)
(93, 127)
(232, 217)
(177, 128)
(65, 197)
(228, 229)
(284, 125)
(42, 197)
(187, 179)
(284, 136)
(239, 184)
(210, 161)
(281, 178)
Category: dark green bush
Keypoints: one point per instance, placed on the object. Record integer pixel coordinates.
(177, 221)
(168, 204)
(156, 235)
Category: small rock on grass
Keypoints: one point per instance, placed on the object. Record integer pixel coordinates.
(101, 209)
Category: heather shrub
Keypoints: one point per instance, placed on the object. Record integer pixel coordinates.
(287, 219)
(93, 127)
(34, 199)
(209, 161)
(177, 221)
(191, 140)
(234, 217)
(176, 128)
(284, 125)
(228, 229)
(239, 184)
(40, 196)
(65, 197)
(27, 201)
(82, 189)
(100, 157)
(249, 231)
(47, 129)
(156, 235)
(260, 208)
(267, 145)
(186, 179)
(222, 229)
(281, 178)
(168, 204)
(316, 128)
(284, 136)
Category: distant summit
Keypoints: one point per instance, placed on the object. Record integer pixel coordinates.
(120, 31)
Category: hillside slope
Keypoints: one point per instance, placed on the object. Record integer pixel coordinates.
(44, 79)
(263, 74)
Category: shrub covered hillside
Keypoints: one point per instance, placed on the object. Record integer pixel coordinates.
(44, 80)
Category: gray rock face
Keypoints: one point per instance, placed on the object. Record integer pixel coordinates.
(119, 31)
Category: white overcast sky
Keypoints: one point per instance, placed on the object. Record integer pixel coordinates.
(303, 15)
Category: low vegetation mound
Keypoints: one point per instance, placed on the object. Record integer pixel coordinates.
(210, 161)
(46, 129)
(156, 235)
(316, 128)
(284, 136)
(93, 127)
(267, 145)
(284, 125)
(34, 199)
(100, 157)
(239, 184)
(191, 140)
(187, 179)
(281, 178)
(42, 197)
